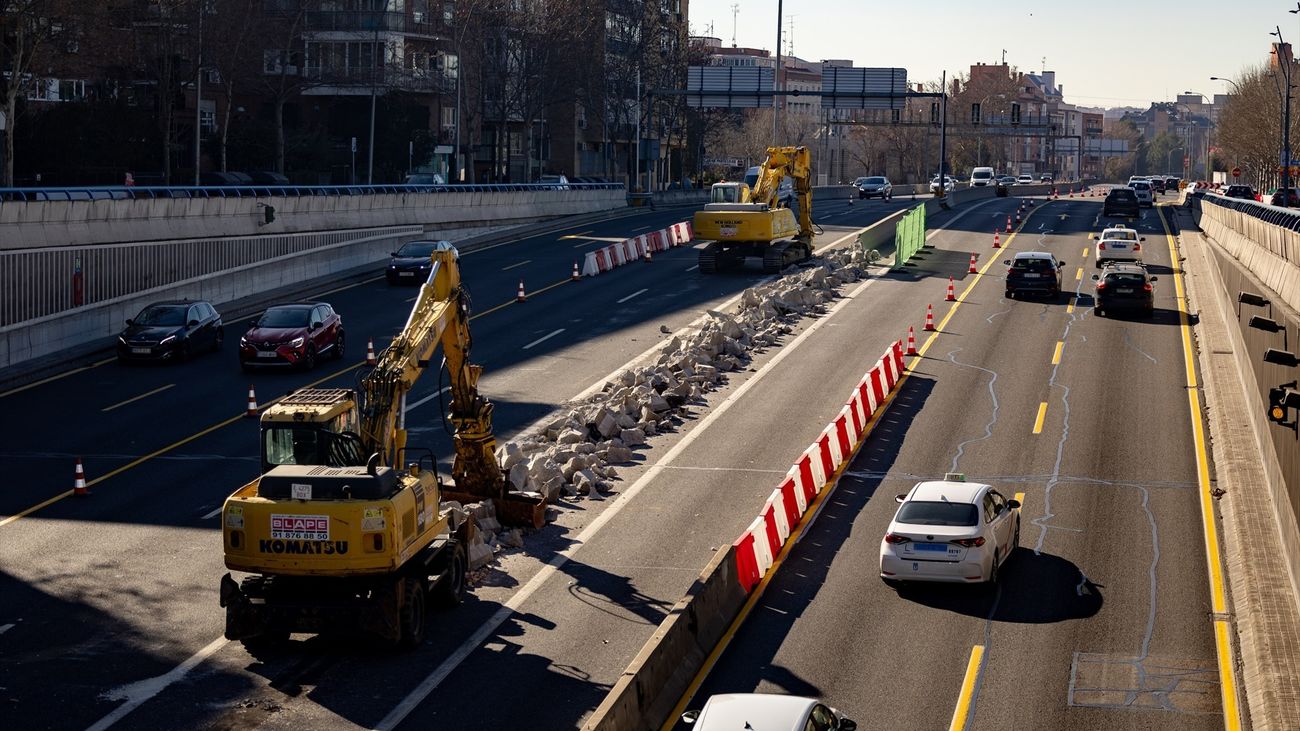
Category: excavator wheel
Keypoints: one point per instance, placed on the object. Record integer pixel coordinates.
(413, 613)
(266, 641)
(450, 591)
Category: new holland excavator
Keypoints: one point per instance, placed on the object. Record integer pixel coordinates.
(743, 222)
(345, 531)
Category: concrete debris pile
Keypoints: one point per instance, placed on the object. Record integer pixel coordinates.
(576, 453)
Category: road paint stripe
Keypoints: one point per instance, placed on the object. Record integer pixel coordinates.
(65, 374)
(637, 293)
(544, 338)
(1020, 498)
(692, 267)
(133, 399)
(1069, 309)
(965, 700)
(1042, 414)
(515, 266)
(1213, 558)
(427, 399)
(1078, 275)
(1056, 356)
(6, 627)
(1085, 252)
(578, 235)
(589, 240)
(138, 692)
(485, 630)
(212, 514)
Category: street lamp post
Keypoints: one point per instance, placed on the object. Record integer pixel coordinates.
(1285, 65)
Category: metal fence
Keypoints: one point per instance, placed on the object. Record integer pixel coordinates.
(38, 282)
(146, 192)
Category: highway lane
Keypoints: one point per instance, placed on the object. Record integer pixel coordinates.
(136, 565)
(1102, 615)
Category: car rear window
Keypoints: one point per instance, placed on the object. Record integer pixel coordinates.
(1123, 194)
(1032, 265)
(922, 512)
(285, 317)
(414, 249)
(1119, 278)
(1120, 235)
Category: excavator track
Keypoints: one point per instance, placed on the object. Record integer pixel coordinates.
(717, 257)
(782, 254)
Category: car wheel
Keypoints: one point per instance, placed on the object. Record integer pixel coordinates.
(993, 572)
(1015, 541)
(309, 359)
(1149, 313)
(413, 613)
(1099, 312)
(339, 346)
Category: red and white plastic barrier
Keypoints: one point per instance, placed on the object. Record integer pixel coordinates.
(760, 544)
(616, 255)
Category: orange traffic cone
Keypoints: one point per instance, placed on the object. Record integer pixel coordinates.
(996, 244)
(575, 276)
(1008, 223)
(1056, 194)
(649, 252)
(911, 340)
(79, 481)
(929, 318)
(252, 403)
(973, 269)
(521, 297)
(1069, 193)
(370, 352)
(952, 294)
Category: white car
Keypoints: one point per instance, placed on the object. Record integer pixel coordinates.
(1119, 243)
(734, 711)
(948, 184)
(1145, 193)
(1025, 180)
(949, 530)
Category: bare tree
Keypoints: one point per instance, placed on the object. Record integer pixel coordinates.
(231, 22)
(1250, 126)
(28, 30)
(285, 72)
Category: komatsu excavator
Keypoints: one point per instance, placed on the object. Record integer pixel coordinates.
(743, 222)
(345, 529)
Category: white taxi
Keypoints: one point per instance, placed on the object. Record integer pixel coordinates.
(949, 530)
(1118, 243)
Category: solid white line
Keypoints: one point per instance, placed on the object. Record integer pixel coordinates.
(135, 694)
(428, 398)
(637, 293)
(693, 267)
(512, 266)
(484, 632)
(213, 514)
(160, 389)
(543, 338)
(5, 628)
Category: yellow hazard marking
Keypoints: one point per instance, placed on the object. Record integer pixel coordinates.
(1085, 252)
(966, 699)
(1042, 414)
(1069, 309)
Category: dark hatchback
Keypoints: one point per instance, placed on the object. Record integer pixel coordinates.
(293, 335)
(1123, 287)
(1239, 191)
(411, 263)
(1121, 202)
(1157, 184)
(1034, 271)
(171, 331)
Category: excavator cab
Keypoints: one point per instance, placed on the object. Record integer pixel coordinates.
(312, 426)
(729, 193)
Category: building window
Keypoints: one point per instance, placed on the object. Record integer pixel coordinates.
(448, 117)
(208, 120)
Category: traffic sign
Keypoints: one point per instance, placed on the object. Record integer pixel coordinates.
(1236, 172)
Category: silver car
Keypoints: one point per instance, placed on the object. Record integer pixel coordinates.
(875, 186)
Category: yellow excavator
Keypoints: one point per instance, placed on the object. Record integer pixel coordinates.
(743, 221)
(345, 529)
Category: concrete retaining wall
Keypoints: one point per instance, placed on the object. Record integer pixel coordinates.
(32, 224)
(645, 695)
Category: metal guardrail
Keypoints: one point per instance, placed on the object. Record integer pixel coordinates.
(149, 192)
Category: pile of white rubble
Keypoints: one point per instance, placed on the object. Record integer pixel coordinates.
(576, 453)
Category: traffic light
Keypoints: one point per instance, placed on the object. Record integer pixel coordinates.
(934, 112)
(975, 113)
(1277, 411)
(1015, 113)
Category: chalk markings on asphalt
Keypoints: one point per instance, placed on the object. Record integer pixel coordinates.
(637, 293)
(133, 399)
(993, 419)
(135, 694)
(544, 338)
(1042, 414)
(1056, 356)
(961, 714)
(517, 265)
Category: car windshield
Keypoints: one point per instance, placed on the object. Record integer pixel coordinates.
(1032, 265)
(162, 315)
(924, 512)
(422, 249)
(875, 180)
(284, 317)
(981, 175)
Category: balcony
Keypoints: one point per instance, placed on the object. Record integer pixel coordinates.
(372, 21)
(353, 81)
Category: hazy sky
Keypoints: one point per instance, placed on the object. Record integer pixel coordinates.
(1105, 52)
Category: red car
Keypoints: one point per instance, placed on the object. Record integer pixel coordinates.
(293, 335)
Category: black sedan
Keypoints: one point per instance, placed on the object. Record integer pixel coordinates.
(171, 331)
(1121, 202)
(411, 263)
(1034, 271)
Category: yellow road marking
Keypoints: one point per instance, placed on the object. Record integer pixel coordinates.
(1213, 560)
(513, 266)
(1056, 356)
(578, 235)
(1069, 309)
(1020, 498)
(1042, 414)
(1079, 274)
(65, 374)
(160, 389)
(966, 698)
(1085, 252)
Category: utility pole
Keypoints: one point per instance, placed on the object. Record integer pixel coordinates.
(198, 97)
(1285, 65)
(776, 77)
(637, 184)
(943, 133)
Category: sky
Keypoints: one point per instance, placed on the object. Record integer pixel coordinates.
(1106, 53)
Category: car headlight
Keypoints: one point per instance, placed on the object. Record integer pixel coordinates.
(243, 341)
(167, 339)
(297, 342)
(121, 339)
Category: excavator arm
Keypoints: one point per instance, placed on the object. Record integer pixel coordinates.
(795, 163)
(440, 317)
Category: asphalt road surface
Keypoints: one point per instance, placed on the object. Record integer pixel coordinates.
(1103, 615)
(108, 606)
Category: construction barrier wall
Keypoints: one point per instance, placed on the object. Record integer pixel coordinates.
(909, 236)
